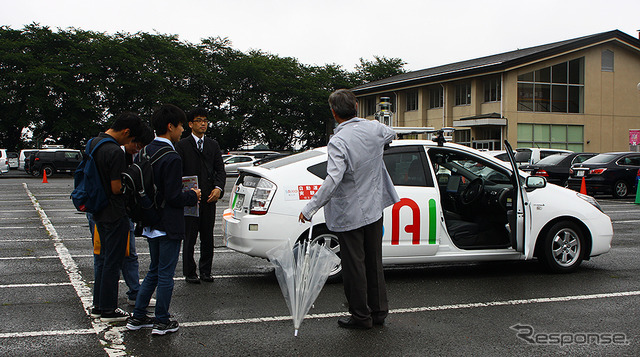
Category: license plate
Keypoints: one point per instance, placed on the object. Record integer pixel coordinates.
(239, 201)
(579, 173)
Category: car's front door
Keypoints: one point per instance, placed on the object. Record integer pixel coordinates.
(520, 235)
(411, 226)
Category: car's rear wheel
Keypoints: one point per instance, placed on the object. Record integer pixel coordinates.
(620, 189)
(48, 170)
(322, 235)
(563, 247)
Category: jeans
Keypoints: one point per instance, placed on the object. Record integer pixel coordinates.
(164, 253)
(130, 269)
(113, 246)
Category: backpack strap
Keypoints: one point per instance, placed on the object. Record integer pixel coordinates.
(99, 142)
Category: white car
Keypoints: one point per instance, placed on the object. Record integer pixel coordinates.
(530, 156)
(456, 205)
(4, 161)
(232, 163)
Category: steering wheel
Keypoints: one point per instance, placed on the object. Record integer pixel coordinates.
(472, 192)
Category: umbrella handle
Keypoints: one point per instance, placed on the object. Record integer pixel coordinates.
(310, 229)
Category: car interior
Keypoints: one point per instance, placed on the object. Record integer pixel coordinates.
(477, 198)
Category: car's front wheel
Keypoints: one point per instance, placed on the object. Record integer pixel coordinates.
(620, 189)
(563, 247)
(322, 235)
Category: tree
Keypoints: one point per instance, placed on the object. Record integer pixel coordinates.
(379, 68)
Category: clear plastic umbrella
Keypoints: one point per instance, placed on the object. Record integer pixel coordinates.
(302, 272)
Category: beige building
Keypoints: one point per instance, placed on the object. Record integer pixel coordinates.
(581, 94)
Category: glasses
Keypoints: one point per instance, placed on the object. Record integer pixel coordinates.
(201, 121)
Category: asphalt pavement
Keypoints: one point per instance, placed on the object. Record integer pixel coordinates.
(480, 309)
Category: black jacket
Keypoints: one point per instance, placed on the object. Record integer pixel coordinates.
(167, 175)
(207, 165)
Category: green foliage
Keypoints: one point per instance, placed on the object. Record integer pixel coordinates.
(67, 85)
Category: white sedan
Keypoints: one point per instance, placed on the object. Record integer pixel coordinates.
(233, 162)
(457, 204)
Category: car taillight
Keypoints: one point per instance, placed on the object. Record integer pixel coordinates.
(541, 173)
(262, 196)
(596, 171)
(37, 159)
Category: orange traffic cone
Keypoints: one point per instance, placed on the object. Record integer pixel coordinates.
(44, 176)
(583, 187)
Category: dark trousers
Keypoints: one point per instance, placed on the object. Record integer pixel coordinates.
(204, 226)
(164, 253)
(113, 246)
(362, 274)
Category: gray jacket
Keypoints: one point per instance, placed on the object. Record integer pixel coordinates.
(357, 187)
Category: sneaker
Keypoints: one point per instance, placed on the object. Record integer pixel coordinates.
(95, 312)
(114, 316)
(160, 328)
(134, 323)
(152, 302)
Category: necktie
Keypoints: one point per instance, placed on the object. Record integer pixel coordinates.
(200, 145)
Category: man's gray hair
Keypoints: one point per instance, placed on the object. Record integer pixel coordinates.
(344, 103)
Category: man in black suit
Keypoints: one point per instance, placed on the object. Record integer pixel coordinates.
(201, 157)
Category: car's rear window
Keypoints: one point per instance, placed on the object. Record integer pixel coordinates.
(553, 159)
(292, 159)
(600, 159)
(523, 156)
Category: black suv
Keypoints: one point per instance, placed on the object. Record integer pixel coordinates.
(54, 161)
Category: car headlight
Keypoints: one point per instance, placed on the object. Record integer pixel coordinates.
(590, 200)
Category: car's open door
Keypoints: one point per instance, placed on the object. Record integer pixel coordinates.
(520, 218)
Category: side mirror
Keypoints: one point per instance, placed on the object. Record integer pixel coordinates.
(535, 182)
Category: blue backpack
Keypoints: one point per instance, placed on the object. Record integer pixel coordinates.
(89, 194)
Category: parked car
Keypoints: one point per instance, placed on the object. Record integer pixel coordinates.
(13, 159)
(23, 158)
(555, 168)
(531, 156)
(269, 158)
(456, 205)
(4, 162)
(53, 161)
(609, 173)
(231, 164)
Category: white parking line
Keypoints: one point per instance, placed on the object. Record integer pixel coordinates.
(112, 343)
(338, 314)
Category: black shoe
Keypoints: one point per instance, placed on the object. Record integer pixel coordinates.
(134, 323)
(192, 279)
(378, 322)
(95, 312)
(206, 277)
(160, 328)
(116, 315)
(349, 322)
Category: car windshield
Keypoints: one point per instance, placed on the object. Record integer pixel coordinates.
(553, 159)
(600, 159)
(292, 159)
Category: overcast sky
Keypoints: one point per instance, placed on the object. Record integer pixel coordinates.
(424, 33)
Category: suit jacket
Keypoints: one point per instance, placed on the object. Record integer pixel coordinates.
(167, 174)
(357, 187)
(207, 165)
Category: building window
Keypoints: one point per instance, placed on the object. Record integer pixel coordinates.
(369, 106)
(436, 97)
(569, 137)
(492, 89)
(462, 137)
(558, 89)
(412, 100)
(607, 61)
(463, 93)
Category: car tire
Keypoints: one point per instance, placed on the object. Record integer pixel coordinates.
(563, 247)
(620, 189)
(323, 235)
(34, 172)
(49, 170)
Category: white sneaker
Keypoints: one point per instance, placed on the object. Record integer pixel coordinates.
(152, 302)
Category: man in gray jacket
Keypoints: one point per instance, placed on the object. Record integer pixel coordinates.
(356, 190)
